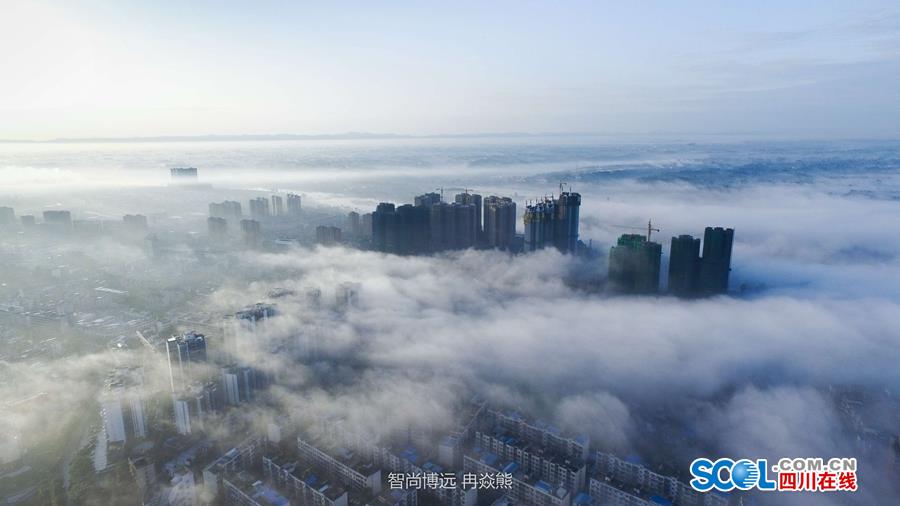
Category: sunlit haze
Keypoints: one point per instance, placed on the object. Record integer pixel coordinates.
(124, 69)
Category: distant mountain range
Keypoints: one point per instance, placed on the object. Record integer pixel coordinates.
(290, 137)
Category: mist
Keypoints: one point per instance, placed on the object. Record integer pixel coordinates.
(811, 323)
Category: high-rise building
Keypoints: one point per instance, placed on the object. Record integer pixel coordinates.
(475, 200)
(251, 232)
(553, 222)
(238, 384)
(684, 265)
(384, 215)
(251, 316)
(427, 199)
(567, 216)
(715, 265)
(217, 227)
(7, 216)
(183, 174)
(634, 264)
(122, 405)
(277, 205)
(135, 222)
(193, 404)
(293, 204)
(182, 409)
(144, 473)
(452, 226)
(367, 225)
(411, 230)
(59, 218)
(229, 209)
(27, 220)
(353, 224)
(499, 221)
(328, 235)
(259, 208)
(184, 353)
(113, 420)
(540, 224)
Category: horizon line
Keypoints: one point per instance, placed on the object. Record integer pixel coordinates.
(388, 136)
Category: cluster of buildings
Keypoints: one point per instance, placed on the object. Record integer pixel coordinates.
(553, 222)
(634, 264)
(432, 225)
(61, 221)
(226, 214)
(324, 463)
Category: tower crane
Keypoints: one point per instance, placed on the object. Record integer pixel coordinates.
(649, 228)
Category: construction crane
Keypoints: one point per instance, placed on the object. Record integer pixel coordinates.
(649, 228)
(441, 189)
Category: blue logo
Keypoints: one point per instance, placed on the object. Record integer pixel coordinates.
(726, 475)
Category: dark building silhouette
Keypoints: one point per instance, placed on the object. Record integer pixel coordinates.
(553, 222)
(412, 233)
(432, 225)
(715, 265)
(217, 227)
(634, 264)
(684, 265)
(475, 200)
(452, 226)
(428, 199)
(499, 222)
(384, 215)
(567, 215)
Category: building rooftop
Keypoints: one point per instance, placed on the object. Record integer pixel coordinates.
(494, 461)
(342, 454)
(266, 495)
(536, 449)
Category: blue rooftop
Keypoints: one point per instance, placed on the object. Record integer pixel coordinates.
(543, 485)
(489, 459)
(582, 498)
(660, 500)
(512, 467)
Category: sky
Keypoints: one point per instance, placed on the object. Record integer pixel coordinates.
(778, 69)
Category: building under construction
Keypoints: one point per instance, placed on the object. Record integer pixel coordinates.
(634, 264)
(553, 222)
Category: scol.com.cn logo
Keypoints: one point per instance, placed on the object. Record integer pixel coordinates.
(799, 474)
